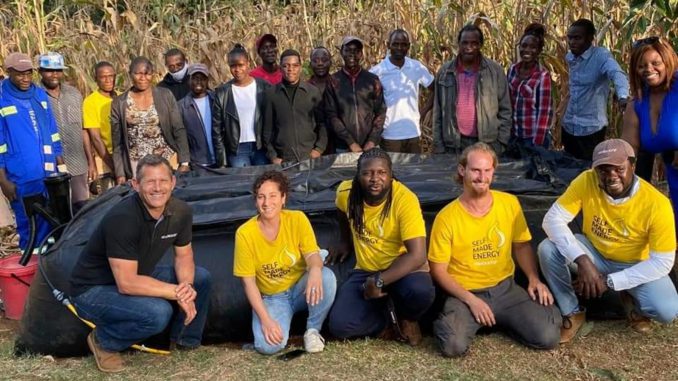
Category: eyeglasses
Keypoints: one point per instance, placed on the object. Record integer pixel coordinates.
(644, 41)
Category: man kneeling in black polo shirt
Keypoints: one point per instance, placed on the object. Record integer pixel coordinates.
(116, 283)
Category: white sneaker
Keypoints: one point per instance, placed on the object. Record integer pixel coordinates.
(313, 342)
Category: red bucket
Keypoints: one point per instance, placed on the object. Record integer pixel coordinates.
(15, 280)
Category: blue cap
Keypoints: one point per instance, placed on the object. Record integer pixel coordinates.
(51, 60)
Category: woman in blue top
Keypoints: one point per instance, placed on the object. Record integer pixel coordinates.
(651, 120)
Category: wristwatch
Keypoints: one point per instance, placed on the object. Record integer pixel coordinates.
(378, 281)
(610, 283)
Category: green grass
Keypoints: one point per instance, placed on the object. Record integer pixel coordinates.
(609, 351)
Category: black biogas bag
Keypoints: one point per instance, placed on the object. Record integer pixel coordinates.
(221, 200)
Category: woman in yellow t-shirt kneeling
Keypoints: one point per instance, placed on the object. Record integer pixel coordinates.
(281, 268)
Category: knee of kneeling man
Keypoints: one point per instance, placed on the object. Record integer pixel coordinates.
(202, 278)
(667, 313)
(158, 316)
(339, 328)
(546, 339)
(453, 347)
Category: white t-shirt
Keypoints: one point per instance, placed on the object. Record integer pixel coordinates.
(203, 105)
(245, 98)
(401, 92)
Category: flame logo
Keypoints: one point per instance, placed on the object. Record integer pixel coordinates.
(501, 238)
(286, 253)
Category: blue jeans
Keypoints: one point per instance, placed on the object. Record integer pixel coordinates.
(282, 307)
(123, 320)
(354, 316)
(657, 300)
(23, 226)
(247, 155)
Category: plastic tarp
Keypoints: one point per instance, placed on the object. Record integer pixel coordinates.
(222, 199)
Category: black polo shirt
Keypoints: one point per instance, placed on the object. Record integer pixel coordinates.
(128, 231)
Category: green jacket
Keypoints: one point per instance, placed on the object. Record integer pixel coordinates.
(493, 106)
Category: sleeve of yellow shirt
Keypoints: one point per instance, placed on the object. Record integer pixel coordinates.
(571, 200)
(342, 196)
(243, 260)
(662, 230)
(410, 217)
(308, 243)
(521, 233)
(440, 246)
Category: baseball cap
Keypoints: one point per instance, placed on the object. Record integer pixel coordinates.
(348, 39)
(18, 62)
(265, 37)
(198, 68)
(612, 152)
(51, 60)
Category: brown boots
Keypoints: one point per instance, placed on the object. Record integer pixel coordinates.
(109, 362)
(571, 325)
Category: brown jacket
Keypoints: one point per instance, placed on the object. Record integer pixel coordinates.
(171, 125)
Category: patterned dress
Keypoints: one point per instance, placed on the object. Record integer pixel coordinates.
(145, 135)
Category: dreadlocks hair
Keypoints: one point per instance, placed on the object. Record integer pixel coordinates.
(356, 204)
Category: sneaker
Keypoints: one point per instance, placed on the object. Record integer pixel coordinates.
(109, 362)
(637, 322)
(410, 331)
(571, 325)
(313, 342)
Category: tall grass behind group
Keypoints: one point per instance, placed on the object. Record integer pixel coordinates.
(87, 31)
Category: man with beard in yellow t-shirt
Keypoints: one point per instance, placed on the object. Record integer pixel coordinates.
(387, 230)
(628, 242)
(474, 241)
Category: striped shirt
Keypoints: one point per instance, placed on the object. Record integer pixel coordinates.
(531, 101)
(67, 108)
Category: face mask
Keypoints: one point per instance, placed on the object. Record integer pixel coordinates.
(178, 76)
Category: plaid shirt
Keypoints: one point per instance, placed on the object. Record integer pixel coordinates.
(531, 101)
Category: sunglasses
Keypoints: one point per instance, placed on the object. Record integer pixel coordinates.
(644, 41)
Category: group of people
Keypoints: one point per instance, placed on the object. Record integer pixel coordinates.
(627, 244)
(269, 115)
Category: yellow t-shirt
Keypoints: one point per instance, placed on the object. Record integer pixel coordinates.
(277, 265)
(382, 242)
(625, 232)
(96, 113)
(477, 250)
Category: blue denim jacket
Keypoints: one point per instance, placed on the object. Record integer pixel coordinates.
(590, 76)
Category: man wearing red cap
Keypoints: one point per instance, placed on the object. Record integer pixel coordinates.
(30, 146)
(267, 48)
(628, 243)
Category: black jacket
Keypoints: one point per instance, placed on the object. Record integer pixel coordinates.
(294, 126)
(355, 110)
(195, 130)
(226, 124)
(178, 88)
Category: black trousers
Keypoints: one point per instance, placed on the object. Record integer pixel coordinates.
(582, 147)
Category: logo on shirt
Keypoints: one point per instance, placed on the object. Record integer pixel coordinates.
(486, 250)
(279, 268)
(168, 236)
(609, 232)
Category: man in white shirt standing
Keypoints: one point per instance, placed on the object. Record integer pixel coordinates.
(628, 242)
(401, 77)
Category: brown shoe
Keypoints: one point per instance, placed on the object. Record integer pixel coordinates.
(109, 362)
(637, 322)
(411, 331)
(571, 325)
(388, 334)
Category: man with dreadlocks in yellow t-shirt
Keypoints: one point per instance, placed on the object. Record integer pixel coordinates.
(389, 239)
(474, 242)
